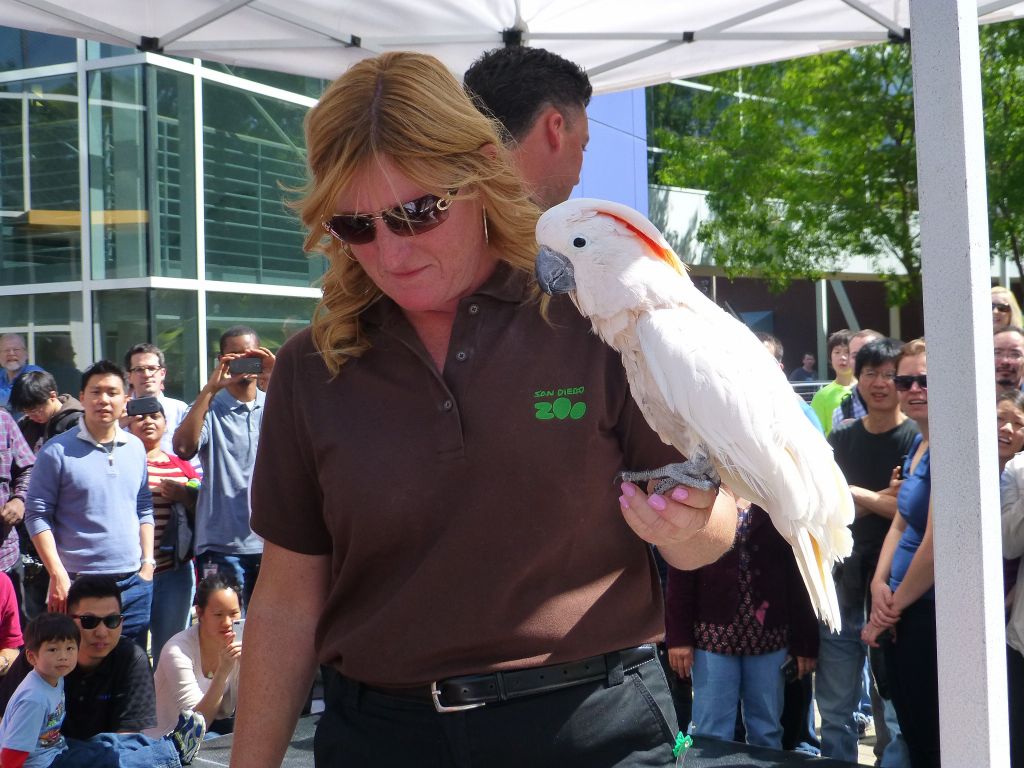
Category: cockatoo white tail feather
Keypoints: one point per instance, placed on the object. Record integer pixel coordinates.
(702, 379)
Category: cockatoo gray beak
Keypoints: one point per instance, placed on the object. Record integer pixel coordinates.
(554, 272)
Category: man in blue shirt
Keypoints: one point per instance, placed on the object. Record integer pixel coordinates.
(14, 359)
(223, 426)
(89, 508)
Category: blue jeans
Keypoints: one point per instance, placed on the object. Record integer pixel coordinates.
(838, 683)
(173, 592)
(720, 683)
(136, 602)
(118, 750)
(242, 569)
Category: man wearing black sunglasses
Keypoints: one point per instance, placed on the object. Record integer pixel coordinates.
(541, 100)
(111, 688)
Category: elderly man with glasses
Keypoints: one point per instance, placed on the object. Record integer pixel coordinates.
(14, 359)
(111, 688)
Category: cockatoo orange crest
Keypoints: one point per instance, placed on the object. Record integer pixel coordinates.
(703, 381)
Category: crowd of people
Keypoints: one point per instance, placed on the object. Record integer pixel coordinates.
(380, 498)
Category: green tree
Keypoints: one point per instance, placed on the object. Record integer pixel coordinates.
(811, 161)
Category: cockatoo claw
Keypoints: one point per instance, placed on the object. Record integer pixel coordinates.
(695, 473)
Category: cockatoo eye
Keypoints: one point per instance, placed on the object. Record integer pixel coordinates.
(579, 242)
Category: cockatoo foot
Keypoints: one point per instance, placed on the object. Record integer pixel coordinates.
(696, 473)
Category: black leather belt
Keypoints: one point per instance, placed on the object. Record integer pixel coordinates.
(115, 576)
(456, 694)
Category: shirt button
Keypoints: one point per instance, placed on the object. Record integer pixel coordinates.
(461, 356)
(447, 405)
(474, 309)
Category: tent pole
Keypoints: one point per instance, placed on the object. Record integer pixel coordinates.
(955, 271)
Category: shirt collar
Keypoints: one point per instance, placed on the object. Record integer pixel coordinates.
(234, 403)
(506, 284)
(120, 436)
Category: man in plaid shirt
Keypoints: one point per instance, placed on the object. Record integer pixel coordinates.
(16, 460)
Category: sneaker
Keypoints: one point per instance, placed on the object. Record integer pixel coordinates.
(863, 722)
(187, 735)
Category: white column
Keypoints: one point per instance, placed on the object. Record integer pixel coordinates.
(961, 394)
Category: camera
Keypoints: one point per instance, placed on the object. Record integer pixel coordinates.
(247, 365)
(140, 406)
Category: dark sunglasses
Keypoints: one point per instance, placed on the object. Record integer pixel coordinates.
(88, 621)
(904, 383)
(1000, 307)
(412, 218)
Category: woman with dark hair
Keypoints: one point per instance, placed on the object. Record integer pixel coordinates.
(198, 668)
(1011, 490)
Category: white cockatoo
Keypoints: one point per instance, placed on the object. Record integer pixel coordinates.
(704, 382)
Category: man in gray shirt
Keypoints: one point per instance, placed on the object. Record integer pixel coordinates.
(223, 427)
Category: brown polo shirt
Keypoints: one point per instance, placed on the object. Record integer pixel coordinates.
(471, 517)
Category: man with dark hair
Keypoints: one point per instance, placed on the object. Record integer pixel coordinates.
(867, 450)
(852, 407)
(147, 370)
(89, 508)
(1008, 346)
(223, 427)
(111, 689)
(806, 370)
(540, 99)
(47, 414)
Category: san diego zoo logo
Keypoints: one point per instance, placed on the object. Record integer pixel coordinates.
(559, 404)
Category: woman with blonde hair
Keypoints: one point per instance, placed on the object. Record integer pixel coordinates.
(434, 473)
(1005, 309)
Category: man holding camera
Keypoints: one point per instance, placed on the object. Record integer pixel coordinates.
(223, 427)
(89, 509)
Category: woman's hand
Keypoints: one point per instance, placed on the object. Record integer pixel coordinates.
(227, 660)
(883, 610)
(172, 490)
(680, 659)
(872, 631)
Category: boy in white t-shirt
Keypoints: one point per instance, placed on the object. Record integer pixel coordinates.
(30, 734)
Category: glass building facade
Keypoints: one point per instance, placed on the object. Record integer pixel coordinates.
(143, 198)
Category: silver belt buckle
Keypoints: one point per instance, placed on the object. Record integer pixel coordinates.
(435, 694)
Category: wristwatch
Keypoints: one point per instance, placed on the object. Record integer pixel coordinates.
(148, 561)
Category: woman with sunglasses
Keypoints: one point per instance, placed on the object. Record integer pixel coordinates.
(902, 590)
(174, 576)
(1005, 309)
(434, 481)
(198, 668)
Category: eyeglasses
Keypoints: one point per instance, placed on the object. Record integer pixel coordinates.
(146, 369)
(904, 383)
(12, 350)
(89, 621)
(1009, 354)
(869, 374)
(412, 218)
(1000, 307)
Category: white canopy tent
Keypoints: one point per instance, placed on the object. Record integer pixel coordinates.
(644, 42)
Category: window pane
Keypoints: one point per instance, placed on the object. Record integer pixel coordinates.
(274, 318)
(254, 151)
(164, 317)
(40, 239)
(20, 49)
(54, 335)
(95, 50)
(174, 172)
(306, 86)
(117, 177)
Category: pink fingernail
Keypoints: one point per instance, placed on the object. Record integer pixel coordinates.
(623, 502)
(654, 501)
(680, 494)
(628, 489)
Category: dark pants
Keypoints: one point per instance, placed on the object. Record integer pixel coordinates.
(798, 717)
(911, 665)
(1015, 670)
(608, 723)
